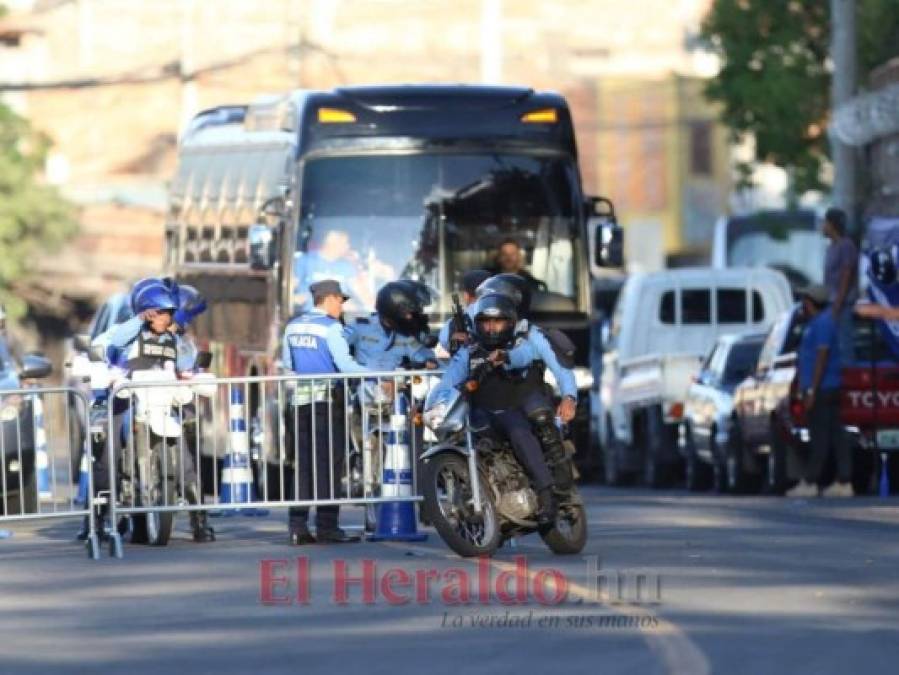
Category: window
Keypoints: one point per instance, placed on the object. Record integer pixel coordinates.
(758, 307)
(741, 361)
(701, 148)
(731, 305)
(666, 308)
(696, 306)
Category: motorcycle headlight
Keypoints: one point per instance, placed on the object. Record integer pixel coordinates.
(9, 412)
(433, 417)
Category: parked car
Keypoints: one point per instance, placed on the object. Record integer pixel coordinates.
(662, 327)
(115, 310)
(18, 482)
(768, 422)
(709, 406)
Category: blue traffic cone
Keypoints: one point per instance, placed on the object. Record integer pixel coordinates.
(884, 475)
(237, 477)
(41, 457)
(396, 520)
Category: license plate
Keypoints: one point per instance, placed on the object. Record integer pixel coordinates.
(888, 438)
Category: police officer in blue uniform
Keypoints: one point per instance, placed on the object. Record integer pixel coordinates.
(397, 333)
(314, 344)
(513, 395)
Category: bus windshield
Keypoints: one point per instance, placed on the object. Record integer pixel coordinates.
(366, 220)
(787, 241)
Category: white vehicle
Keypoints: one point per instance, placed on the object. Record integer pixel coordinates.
(663, 326)
(788, 241)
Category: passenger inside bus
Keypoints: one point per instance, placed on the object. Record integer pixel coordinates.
(510, 258)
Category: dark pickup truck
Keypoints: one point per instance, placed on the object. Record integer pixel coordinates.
(768, 436)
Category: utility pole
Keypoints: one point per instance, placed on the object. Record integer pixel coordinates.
(491, 41)
(189, 99)
(843, 56)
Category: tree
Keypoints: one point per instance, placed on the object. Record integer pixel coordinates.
(34, 218)
(774, 83)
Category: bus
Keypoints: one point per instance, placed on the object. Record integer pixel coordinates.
(372, 183)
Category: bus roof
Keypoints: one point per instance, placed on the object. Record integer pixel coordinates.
(396, 114)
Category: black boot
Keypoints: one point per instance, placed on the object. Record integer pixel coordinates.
(84, 532)
(202, 530)
(547, 508)
(199, 523)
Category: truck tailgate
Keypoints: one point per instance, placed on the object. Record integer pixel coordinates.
(870, 396)
(658, 378)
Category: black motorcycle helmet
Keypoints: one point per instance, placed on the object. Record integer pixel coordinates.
(495, 306)
(512, 286)
(400, 306)
(883, 267)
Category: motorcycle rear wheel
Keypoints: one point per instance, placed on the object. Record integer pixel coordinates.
(448, 506)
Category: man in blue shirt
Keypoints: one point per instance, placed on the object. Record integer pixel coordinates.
(820, 381)
(334, 260)
(314, 344)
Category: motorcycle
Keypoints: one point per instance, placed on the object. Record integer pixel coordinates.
(477, 495)
(153, 434)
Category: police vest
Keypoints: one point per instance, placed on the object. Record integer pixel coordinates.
(307, 340)
(506, 389)
(153, 350)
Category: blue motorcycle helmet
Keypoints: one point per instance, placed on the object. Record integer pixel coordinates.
(158, 296)
(190, 305)
(166, 282)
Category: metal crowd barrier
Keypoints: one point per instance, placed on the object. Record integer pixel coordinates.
(245, 444)
(45, 454)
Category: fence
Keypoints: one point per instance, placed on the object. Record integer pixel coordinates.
(245, 444)
(45, 455)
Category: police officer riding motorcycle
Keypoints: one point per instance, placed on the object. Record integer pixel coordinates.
(487, 479)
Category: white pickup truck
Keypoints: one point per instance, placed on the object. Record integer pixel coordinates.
(663, 325)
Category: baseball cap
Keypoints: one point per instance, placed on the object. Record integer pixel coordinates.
(327, 287)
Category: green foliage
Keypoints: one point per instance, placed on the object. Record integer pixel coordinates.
(34, 219)
(775, 78)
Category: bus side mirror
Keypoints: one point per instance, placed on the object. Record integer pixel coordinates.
(261, 241)
(606, 238)
(35, 367)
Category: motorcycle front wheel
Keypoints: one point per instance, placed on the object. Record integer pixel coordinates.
(153, 528)
(448, 505)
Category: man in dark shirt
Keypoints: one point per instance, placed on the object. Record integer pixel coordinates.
(841, 279)
(819, 382)
(510, 259)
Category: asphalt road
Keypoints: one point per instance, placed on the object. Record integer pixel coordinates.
(730, 585)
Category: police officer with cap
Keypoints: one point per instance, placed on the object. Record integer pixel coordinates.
(314, 344)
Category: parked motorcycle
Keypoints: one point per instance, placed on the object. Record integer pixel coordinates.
(477, 495)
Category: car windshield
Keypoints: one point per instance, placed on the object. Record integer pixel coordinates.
(741, 361)
(366, 220)
(789, 242)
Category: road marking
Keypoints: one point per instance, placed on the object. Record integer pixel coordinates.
(677, 652)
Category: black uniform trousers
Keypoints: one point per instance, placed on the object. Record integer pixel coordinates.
(310, 445)
(515, 424)
(826, 435)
